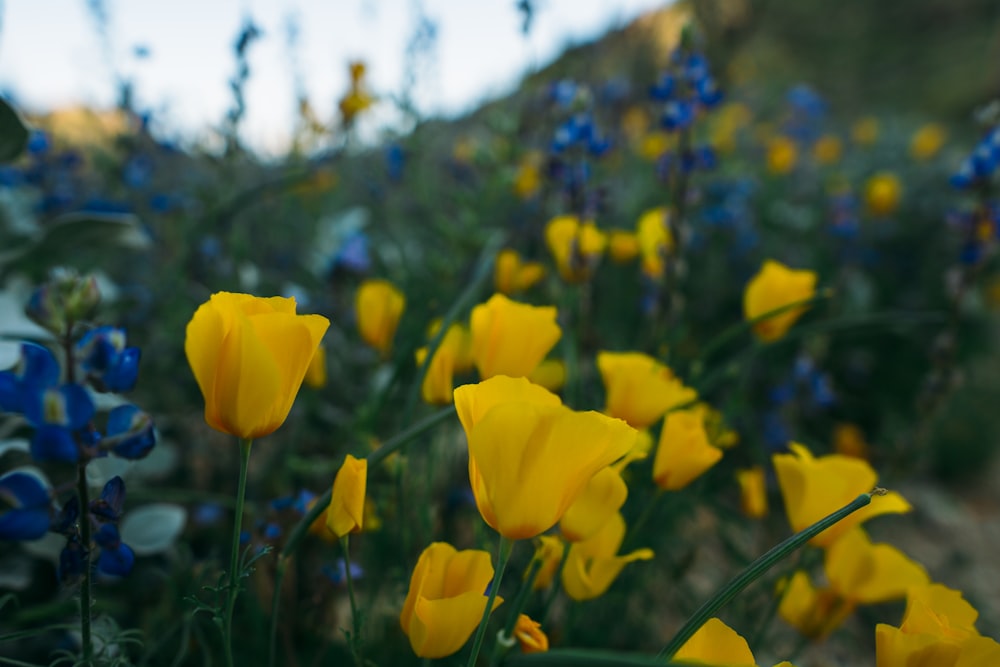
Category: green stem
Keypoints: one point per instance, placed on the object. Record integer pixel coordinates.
(82, 492)
(756, 569)
(734, 331)
(644, 517)
(233, 590)
(547, 606)
(503, 555)
(279, 578)
(356, 645)
(499, 649)
(484, 271)
(389, 447)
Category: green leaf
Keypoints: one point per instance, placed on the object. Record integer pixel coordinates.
(13, 133)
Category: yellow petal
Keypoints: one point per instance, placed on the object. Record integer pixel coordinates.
(715, 643)
(753, 491)
(316, 373)
(895, 648)
(347, 502)
(472, 401)
(870, 573)
(378, 308)
(638, 388)
(941, 611)
(776, 286)
(534, 460)
(684, 453)
(530, 636)
(593, 564)
(442, 627)
(601, 499)
(510, 338)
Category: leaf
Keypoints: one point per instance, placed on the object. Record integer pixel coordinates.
(13, 133)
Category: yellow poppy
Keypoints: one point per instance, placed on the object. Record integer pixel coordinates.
(347, 503)
(549, 551)
(449, 358)
(601, 499)
(684, 453)
(512, 275)
(813, 488)
(576, 247)
(776, 286)
(530, 636)
(378, 307)
(715, 643)
(511, 338)
(927, 141)
(551, 374)
(623, 246)
(655, 240)
(638, 388)
(593, 564)
(827, 149)
(753, 492)
(883, 192)
(445, 601)
(249, 356)
(316, 372)
(530, 457)
(782, 154)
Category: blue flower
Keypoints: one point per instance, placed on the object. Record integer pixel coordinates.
(117, 558)
(110, 365)
(28, 516)
(109, 506)
(131, 432)
(37, 369)
(337, 573)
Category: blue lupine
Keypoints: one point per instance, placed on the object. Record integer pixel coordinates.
(108, 362)
(131, 431)
(36, 370)
(117, 558)
(28, 515)
(109, 506)
(337, 573)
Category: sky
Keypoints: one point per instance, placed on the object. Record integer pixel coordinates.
(52, 54)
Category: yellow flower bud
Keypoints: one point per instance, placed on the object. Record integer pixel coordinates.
(347, 502)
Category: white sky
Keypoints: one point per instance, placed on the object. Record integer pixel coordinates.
(51, 55)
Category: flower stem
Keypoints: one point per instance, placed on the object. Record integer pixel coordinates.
(556, 577)
(279, 578)
(356, 645)
(515, 611)
(233, 590)
(82, 492)
(756, 569)
(503, 555)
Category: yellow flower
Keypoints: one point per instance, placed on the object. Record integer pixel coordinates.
(593, 564)
(753, 492)
(249, 356)
(511, 338)
(378, 307)
(782, 154)
(449, 358)
(347, 503)
(576, 247)
(827, 149)
(530, 636)
(684, 453)
(530, 457)
(623, 246)
(445, 601)
(550, 552)
(551, 374)
(938, 630)
(316, 373)
(512, 275)
(655, 241)
(715, 643)
(813, 488)
(528, 180)
(638, 388)
(857, 572)
(849, 440)
(356, 99)
(601, 499)
(776, 286)
(718, 433)
(883, 192)
(654, 144)
(927, 141)
(865, 131)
